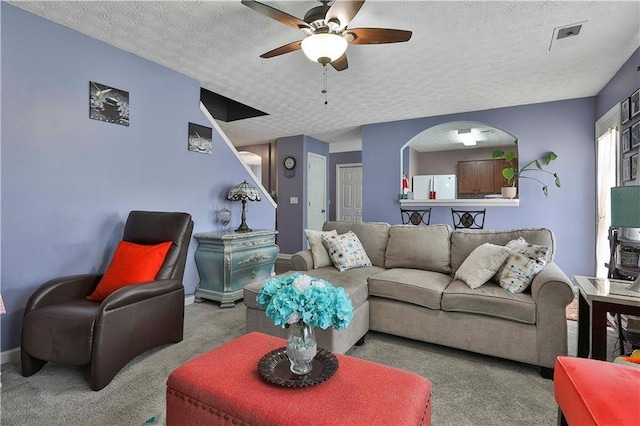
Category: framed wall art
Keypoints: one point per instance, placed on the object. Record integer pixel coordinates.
(626, 140)
(635, 103)
(626, 169)
(625, 112)
(108, 104)
(634, 166)
(200, 139)
(635, 134)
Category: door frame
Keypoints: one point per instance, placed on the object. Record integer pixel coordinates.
(306, 184)
(338, 198)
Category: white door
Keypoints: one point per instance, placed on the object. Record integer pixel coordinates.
(316, 191)
(349, 193)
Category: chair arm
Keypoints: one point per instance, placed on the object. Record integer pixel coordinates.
(552, 279)
(138, 292)
(63, 289)
(302, 261)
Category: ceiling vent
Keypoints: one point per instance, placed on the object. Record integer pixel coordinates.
(566, 31)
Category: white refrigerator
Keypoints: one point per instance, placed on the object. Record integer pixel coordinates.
(443, 185)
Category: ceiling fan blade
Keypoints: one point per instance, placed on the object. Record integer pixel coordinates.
(344, 11)
(276, 14)
(291, 47)
(341, 63)
(376, 35)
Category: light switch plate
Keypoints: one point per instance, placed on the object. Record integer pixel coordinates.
(293, 200)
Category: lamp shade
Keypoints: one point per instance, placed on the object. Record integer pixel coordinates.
(625, 206)
(243, 192)
(324, 48)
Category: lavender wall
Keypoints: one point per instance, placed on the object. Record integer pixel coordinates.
(335, 159)
(290, 217)
(68, 182)
(621, 86)
(566, 127)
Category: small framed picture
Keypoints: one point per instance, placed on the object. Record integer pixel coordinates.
(626, 140)
(635, 103)
(634, 166)
(626, 113)
(200, 139)
(626, 169)
(635, 134)
(108, 104)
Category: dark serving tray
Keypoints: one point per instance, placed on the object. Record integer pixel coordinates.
(274, 368)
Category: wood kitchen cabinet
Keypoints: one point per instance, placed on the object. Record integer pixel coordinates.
(475, 177)
(480, 177)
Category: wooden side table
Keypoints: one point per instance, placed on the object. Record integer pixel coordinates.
(597, 297)
(229, 260)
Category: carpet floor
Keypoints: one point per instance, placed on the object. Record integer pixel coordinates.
(468, 389)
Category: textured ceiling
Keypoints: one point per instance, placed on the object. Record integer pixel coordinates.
(463, 56)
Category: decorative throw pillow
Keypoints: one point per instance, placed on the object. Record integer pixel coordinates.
(346, 251)
(131, 264)
(522, 265)
(318, 250)
(482, 264)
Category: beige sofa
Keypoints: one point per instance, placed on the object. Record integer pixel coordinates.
(410, 291)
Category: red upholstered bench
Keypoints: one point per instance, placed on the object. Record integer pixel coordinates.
(224, 387)
(591, 392)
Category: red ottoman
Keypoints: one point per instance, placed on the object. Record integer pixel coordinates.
(591, 392)
(224, 386)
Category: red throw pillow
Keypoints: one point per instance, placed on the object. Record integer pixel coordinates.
(131, 264)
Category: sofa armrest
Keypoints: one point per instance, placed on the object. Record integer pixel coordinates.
(302, 261)
(551, 280)
(552, 291)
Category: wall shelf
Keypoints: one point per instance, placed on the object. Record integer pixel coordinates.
(463, 202)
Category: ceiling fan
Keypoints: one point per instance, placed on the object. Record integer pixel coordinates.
(327, 35)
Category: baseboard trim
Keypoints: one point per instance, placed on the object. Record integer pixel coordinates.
(13, 355)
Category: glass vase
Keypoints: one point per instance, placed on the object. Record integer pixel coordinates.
(301, 348)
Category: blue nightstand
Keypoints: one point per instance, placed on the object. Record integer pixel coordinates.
(227, 261)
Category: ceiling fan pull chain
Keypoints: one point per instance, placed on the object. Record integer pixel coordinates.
(324, 85)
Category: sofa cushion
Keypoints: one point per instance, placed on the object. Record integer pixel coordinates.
(372, 235)
(354, 282)
(464, 241)
(415, 286)
(523, 264)
(419, 247)
(346, 251)
(318, 250)
(482, 264)
(490, 299)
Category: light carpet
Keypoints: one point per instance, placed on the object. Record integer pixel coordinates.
(468, 389)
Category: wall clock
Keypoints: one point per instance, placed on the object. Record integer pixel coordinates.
(289, 163)
(289, 166)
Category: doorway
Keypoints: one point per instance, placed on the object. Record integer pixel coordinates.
(349, 192)
(316, 191)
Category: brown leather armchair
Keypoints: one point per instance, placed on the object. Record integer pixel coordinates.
(61, 325)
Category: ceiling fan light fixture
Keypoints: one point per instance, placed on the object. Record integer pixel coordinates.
(324, 48)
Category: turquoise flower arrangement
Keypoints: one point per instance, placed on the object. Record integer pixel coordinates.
(298, 297)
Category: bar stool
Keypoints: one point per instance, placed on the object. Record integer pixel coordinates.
(415, 217)
(468, 219)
